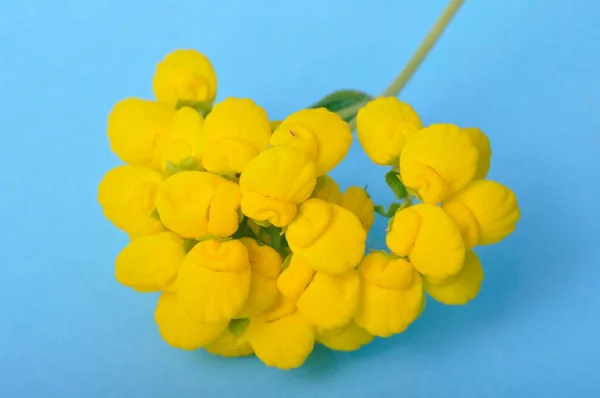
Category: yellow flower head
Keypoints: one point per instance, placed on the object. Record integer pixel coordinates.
(460, 288)
(229, 345)
(196, 204)
(482, 143)
(127, 195)
(429, 238)
(347, 338)
(183, 138)
(327, 237)
(135, 127)
(485, 211)
(391, 294)
(328, 190)
(322, 134)
(181, 331)
(326, 301)
(438, 161)
(281, 337)
(384, 126)
(275, 182)
(150, 263)
(266, 265)
(234, 132)
(185, 75)
(214, 280)
(358, 202)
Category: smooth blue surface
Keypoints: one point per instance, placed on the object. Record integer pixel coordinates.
(526, 72)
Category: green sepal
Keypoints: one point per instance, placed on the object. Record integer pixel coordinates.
(171, 168)
(188, 244)
(392, 178)
(392, 209)
(264, 224)
(342, 99)
(189, 164)
(155, 214)
(203, 108)
(237, 327)
(286, 262)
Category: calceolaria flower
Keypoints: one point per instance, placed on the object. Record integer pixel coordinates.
(322, 134)
(182, 141)
(347, 338)
(384, 126)
(358, 202)
(197, 204)
(233, 342)
(275, 183)
(460, 288)
(482, 143)
(328, 190)
(185, 76)
(327, 237)
(127, 195)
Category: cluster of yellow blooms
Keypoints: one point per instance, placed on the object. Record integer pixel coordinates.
(256, 250)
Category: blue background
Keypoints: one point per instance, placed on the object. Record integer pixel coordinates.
(526, 72)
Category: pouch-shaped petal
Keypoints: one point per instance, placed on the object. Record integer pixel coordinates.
(391, 295)
(181, 331)
(327, 237)
(485, 211)
(358, 202)
(135, 126)
(185, 75)
(229, 345)
(214, 280)
(482, 143)
(196, 204)
(182, 141)
(281, 337)
(384, 126)
(294, 280)
(460, 288)
(234, 132)
(322, 134)
(127, 195)
(438, 161)
(328, 190)
(275, 182)
(429, 238)
(150, 263)
(347, 338)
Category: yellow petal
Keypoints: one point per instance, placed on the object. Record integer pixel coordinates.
(460, 288)
(322, 134)
(134, 128)
(230, 346)
(127, 195)
(384, 126)
(185, 75)
(347, 338)
(235, 131)
(281, 337)
(482, 143)
(358, 202)
(214, 280)
(183, 139)
(295, 278)
(150, 263)
(327, 237)
(196, 204)
(485, 211)
(328, 190)
(429, 237)
(181, 331)
(438, 161)
(274, 183)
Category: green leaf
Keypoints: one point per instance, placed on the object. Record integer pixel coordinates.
(392, 178)
(343, 99)
(238, 326)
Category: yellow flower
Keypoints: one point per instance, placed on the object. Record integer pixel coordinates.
(326, 301)
(196, 204)
(485, 211)
(266, 265)
(181, 331)
(429, 238)
(391, 294)
(460, 288)
(214, 280)
(347, 338)
(135, 127)
(281, 337)
(358, 202)
(183, 138)
(384, 126)
(328, 190)
(438, 161)
(275, 182)
(185, 75)
(127, 195)
(326, 236)
(229, 345)
(150, 263)
(235, 131)
(482, 143)
(322, 134)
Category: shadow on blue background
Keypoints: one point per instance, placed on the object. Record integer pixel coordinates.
(526, 72)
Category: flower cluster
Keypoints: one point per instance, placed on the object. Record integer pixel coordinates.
(255, 249)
